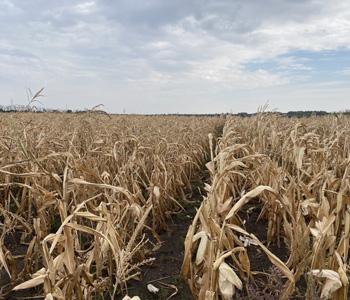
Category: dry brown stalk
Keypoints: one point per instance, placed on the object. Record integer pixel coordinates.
(81, 193)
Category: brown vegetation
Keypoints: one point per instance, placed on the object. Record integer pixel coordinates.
(295, 173)
(80, 192)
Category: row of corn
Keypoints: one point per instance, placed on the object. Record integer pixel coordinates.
(81, 194)
(295, 173)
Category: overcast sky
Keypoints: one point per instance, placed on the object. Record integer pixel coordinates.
(183, 56)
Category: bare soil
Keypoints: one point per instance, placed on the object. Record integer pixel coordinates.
(164, 273)
(12, 242)
(270, 283)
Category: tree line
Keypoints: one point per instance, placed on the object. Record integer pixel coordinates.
(297, 114)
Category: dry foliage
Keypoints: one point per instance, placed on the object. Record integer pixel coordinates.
(79, 193)
(298, 170)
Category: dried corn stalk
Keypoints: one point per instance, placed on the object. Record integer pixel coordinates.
(298, 170)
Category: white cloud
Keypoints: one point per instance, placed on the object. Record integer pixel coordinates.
(7, 7)
(345, 72)
(85, 7)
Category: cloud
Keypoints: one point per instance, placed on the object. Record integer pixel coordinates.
(85, 7)
(345, 72)
(151, 54)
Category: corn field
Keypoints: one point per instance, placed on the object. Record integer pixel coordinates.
(81, 193)
(293, 174)
(84, 195)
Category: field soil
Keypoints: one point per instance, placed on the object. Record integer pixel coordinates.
(164, 273)
(12, 242)
(268, 283)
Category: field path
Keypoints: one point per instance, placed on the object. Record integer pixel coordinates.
(164, 273)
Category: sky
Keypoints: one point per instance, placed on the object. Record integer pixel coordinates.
(177, 56)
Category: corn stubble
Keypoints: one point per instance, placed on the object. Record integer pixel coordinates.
(80, 192)
(298, 170)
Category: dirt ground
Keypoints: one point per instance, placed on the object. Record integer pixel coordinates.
(269, 285)
(164, 273)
